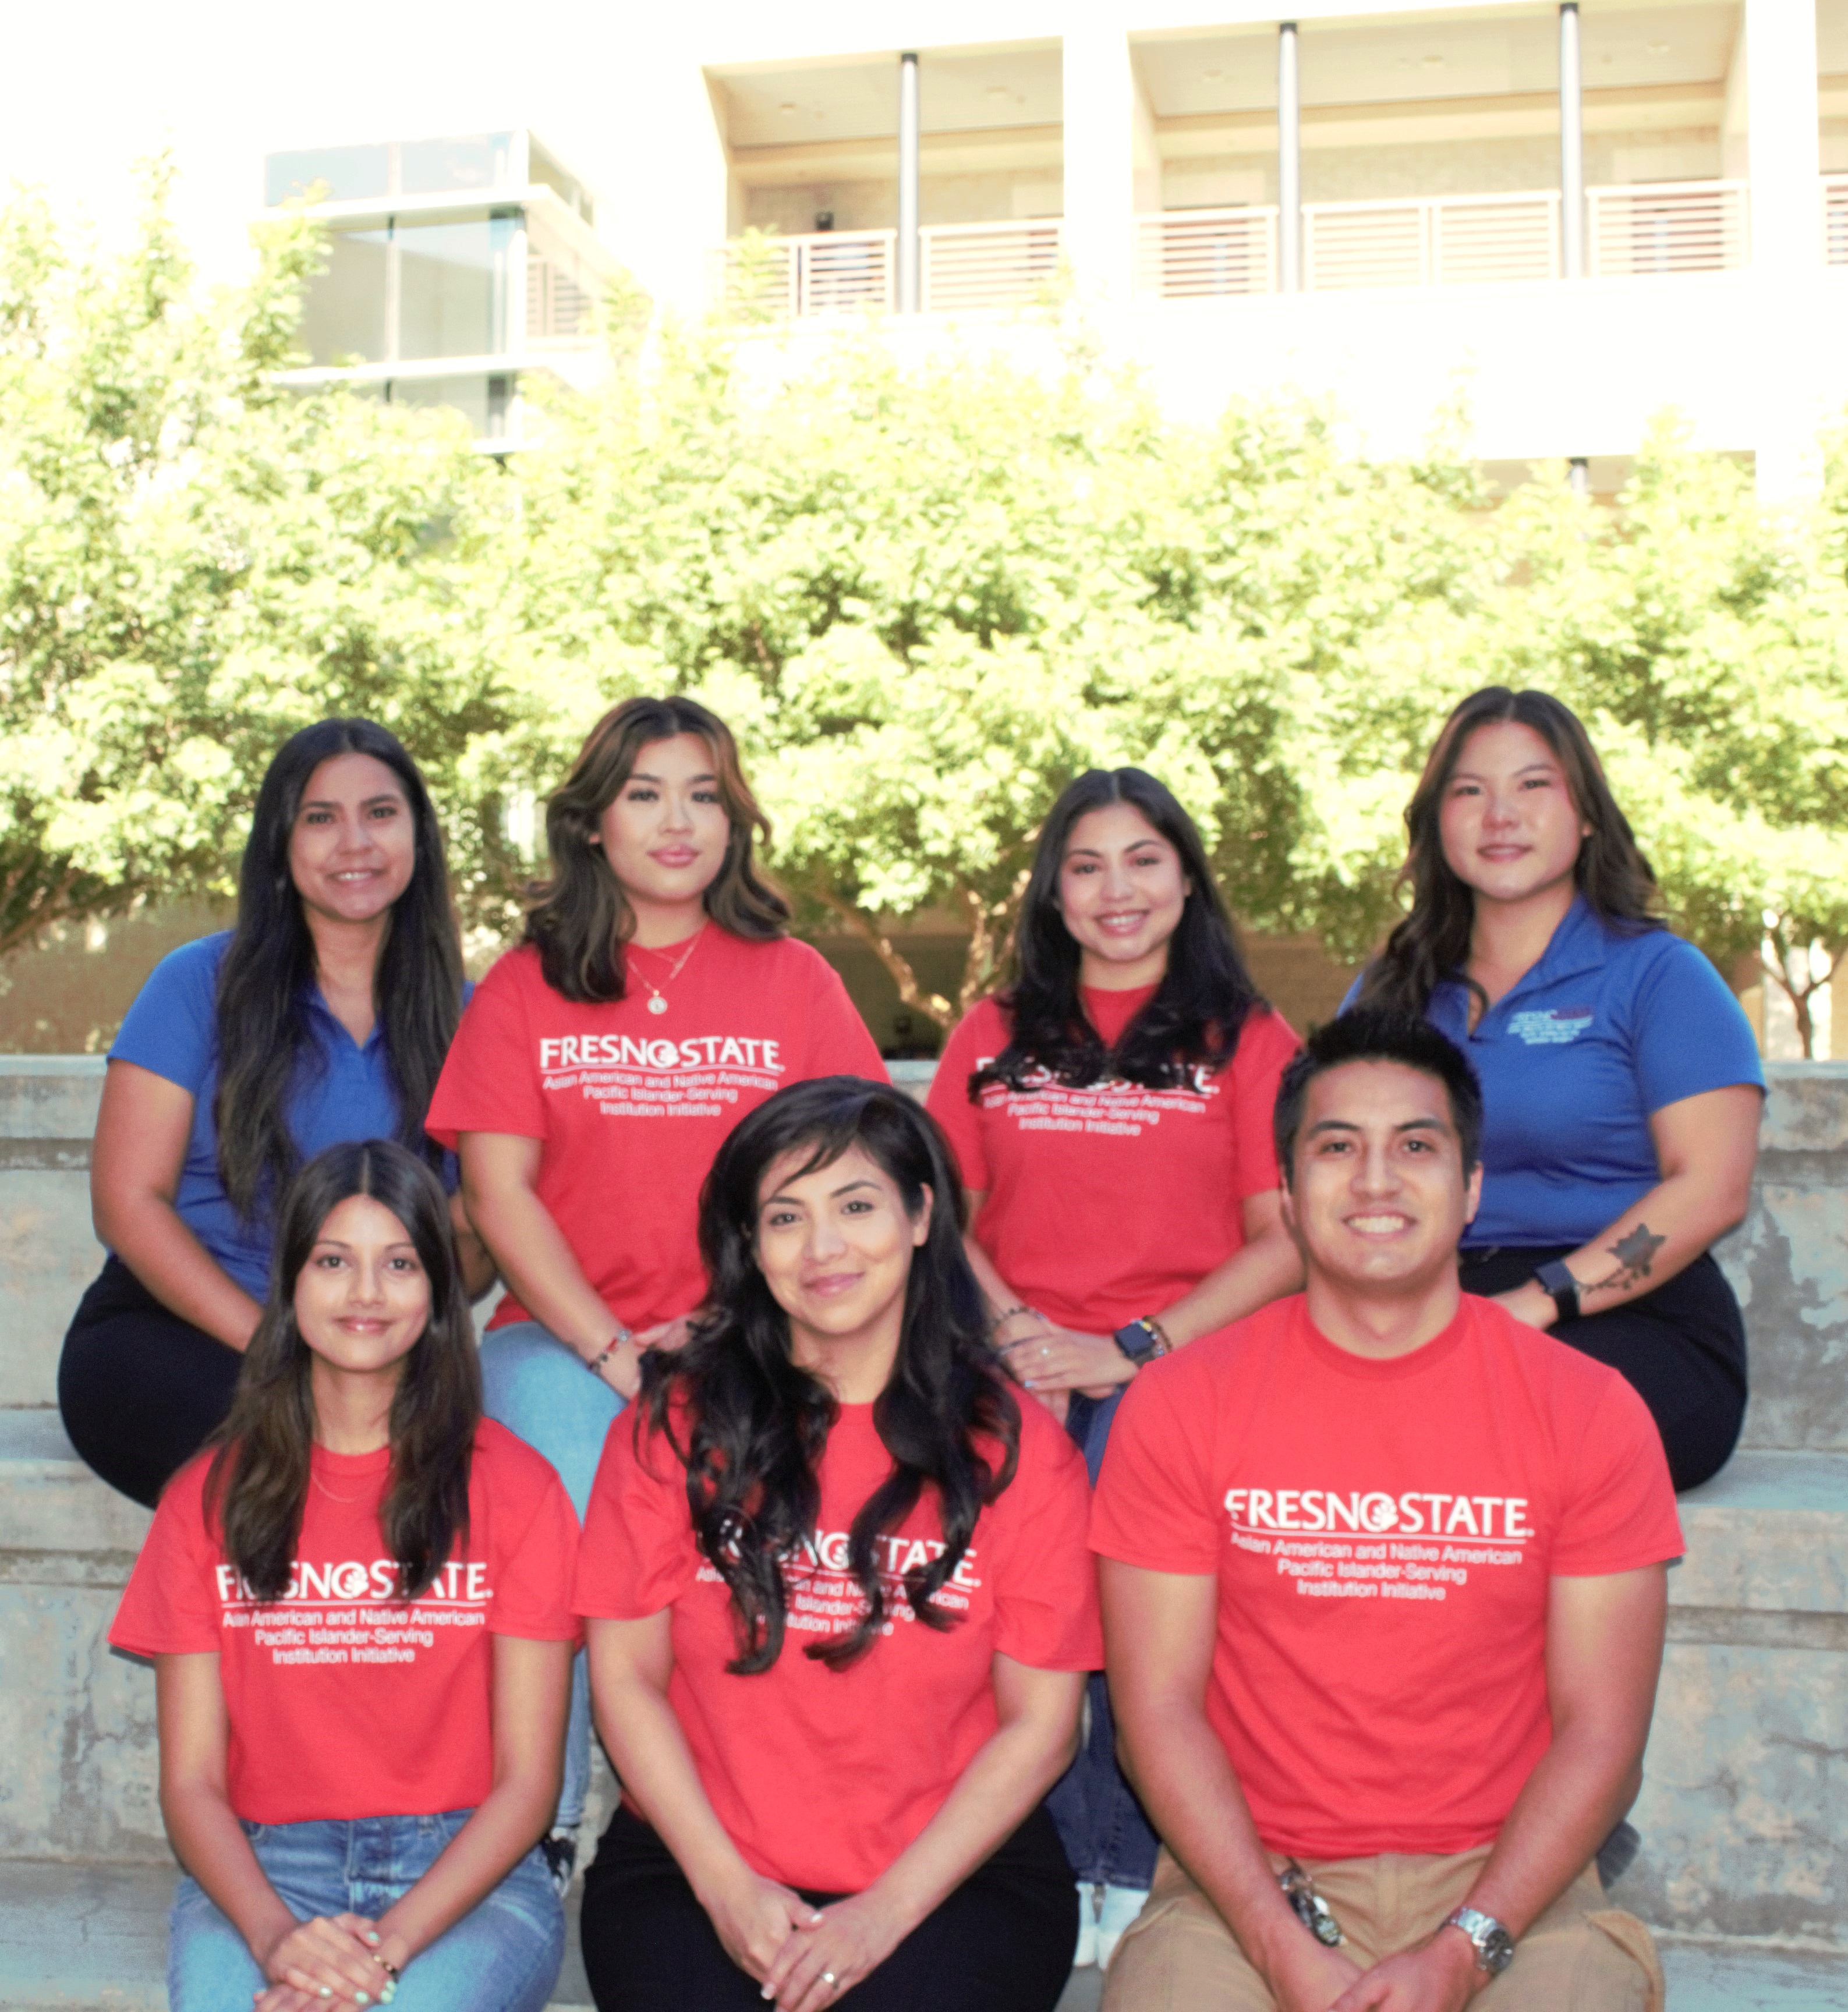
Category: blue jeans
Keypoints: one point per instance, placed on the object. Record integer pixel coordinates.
(1100, 1823)
(502, 1955)
(539, 1388)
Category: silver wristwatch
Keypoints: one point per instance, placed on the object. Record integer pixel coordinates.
(1493, 1945)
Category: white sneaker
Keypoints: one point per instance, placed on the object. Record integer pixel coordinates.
(1122, 1905)
(1086, 1952)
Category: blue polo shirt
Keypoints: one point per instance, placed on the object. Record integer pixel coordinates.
(172, 1030)
(1610, 1026)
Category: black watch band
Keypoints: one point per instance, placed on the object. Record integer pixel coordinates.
(1561, 1286)
(1141, 1340)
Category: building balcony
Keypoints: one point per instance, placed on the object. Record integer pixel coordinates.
(960, 266)
(1634, 230)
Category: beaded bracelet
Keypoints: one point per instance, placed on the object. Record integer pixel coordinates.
(595, 1363)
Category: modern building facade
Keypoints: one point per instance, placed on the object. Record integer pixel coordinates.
(1577, 216)
(457, 267)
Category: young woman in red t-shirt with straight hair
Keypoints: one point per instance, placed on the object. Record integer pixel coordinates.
(839, 1606)
(1112, 1111)
(358, 1610)
(657, 997)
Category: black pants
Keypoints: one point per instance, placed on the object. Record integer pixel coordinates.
(1681, 1348)
(1002, 1942)
(140, 1389)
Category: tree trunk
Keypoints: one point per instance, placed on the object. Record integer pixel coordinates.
(933, 1005)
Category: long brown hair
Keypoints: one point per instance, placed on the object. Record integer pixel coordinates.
(257, 1485)
(580, 918)
(1432, 943)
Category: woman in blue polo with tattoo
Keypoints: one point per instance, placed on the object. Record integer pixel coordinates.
(1622, 1083)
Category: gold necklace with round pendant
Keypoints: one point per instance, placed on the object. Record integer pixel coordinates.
(658, 999)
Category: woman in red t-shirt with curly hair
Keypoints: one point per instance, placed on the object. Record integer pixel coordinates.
(839, 1606)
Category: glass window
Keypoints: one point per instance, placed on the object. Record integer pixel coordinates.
(348, 172)
(452, 288)
(343, 316)
(482, 402)
(467, 161)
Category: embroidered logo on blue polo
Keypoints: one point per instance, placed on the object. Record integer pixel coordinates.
(1551, 1028)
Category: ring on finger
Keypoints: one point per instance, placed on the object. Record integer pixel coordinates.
(829, 1979)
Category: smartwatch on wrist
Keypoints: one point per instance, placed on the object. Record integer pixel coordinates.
(1142, 1340)
(1493, 1945)
(1559, 1287)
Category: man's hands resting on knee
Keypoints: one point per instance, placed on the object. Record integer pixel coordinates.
(1441, 1976)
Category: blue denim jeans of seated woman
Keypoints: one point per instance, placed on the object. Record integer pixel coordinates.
(1100, 1823)
(540, 1391)
(502, 1955)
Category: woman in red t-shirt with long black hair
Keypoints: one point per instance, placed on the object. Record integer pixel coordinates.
(1112, 1111)
(357, 1604)
(657, 997)
(839, 1606)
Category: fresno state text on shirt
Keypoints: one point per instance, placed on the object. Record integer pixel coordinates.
(630, 1075)
(372, 1626)
(823, 1597)
(1112, 1105)
(1398, 1568)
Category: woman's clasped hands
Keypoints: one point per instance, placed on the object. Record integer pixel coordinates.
(1045, 1358)
(832, 1949)
(339, 1959)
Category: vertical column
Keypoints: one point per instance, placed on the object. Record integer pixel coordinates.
(1785, 143)
(1098, 87)
(910, 294)
(1784, 154)
(1571, 145)
(1289, 163)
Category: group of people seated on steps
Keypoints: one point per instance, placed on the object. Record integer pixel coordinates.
(1186, 1498)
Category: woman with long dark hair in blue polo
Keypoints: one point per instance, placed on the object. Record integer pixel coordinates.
(323, 1015)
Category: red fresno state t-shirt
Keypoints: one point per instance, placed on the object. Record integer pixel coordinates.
(1383, 1534)
(821, 1777)
(632, 1105)
(344, 1702)
(1110, 1202)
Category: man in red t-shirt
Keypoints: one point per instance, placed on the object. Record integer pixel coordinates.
(1384, 1577)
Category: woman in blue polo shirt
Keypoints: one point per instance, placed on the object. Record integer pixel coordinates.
(323, 1016)
(1620, 1080)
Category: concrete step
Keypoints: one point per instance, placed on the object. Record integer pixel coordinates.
(76, 1938)
(1788, 1261)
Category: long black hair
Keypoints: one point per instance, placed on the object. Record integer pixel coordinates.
(257, 1483)
(580, 918)
(265, 1039)
(1194, 1019)
(1432, 943)
(756, 1423)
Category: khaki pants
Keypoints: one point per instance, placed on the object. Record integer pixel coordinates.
(1580, 1955)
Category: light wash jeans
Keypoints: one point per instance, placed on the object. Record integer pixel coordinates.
(502, 1955)
(540, 1390)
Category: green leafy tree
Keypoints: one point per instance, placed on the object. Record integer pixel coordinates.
(926, 596)
(193, 563)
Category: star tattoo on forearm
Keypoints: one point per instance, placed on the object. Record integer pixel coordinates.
(1635, 1253)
